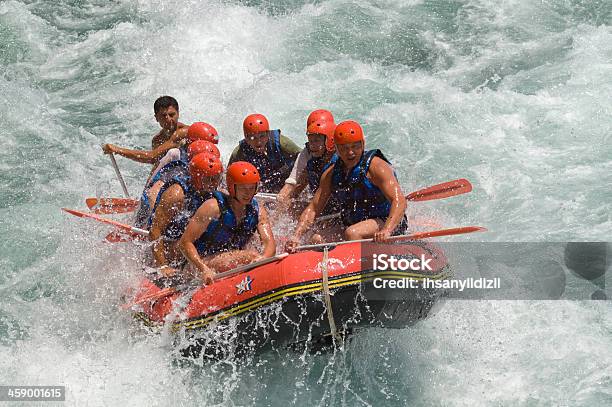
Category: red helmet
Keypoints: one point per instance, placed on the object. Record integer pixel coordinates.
(320, 115)
(202, 146)
(204, 165)
(202, 131)
(326, 129)
(348, 132)
(241, 172)
(255, 123)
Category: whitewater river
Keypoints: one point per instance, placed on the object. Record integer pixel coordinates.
(513, 95)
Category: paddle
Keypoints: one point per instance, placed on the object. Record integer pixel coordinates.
(119, 225)
(443, 190)
(438, 191)
(171, 290)
(125, 205)
(119, 177)
(112, 205)
(123, 236)
(414, 236)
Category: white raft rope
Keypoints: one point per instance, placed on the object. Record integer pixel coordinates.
(327, 297)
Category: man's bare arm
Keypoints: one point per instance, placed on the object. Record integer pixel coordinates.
(315, 207)
(208, 211)
(171, 202)
(148, 156)
(382, 176)
(265, 233)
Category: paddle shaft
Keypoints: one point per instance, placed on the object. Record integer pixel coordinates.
(414, 236)
(119, 176)
(119, 225)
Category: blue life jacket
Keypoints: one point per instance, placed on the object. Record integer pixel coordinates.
(226, 233)
(315, 167)
(358, 197)
(274, 167)
(171, 171)
(192, 201)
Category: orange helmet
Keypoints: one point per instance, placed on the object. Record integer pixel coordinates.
(348, 132)
(202, 146)
(326, 129)
(320, 115)
(241, 172)
(204, 165)
(202, 131)
(255, 123)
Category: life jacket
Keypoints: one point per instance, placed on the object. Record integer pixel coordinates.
(274, 167)
(358, 197)
(226, 233)
(193, 199)
(174, 170)
(184, 157)
(315, 167)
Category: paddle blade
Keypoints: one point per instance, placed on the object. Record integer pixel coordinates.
(150, 297)
(117, 236)
(75, 212)
(112, 205)
(444, 190)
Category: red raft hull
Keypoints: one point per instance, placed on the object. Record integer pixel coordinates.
(290, 295)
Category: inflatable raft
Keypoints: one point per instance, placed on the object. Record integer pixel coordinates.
(301, 298)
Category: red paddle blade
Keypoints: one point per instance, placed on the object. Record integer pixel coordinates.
(444, 190)
(150, 297)
(112, 205)
(117, 236)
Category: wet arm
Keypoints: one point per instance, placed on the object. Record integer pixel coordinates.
(383, 177)
(148, 156)
(316, 205)
(265, 234)
(170, 204)
(196, 227)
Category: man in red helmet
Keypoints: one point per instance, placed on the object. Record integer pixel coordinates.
(174, 163)
(177, 200)
(371, 200)
(177, 167)
(313, 160)
(218, 233)
(268, 150)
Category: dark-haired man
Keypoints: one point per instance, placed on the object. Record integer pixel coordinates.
(166, 111)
